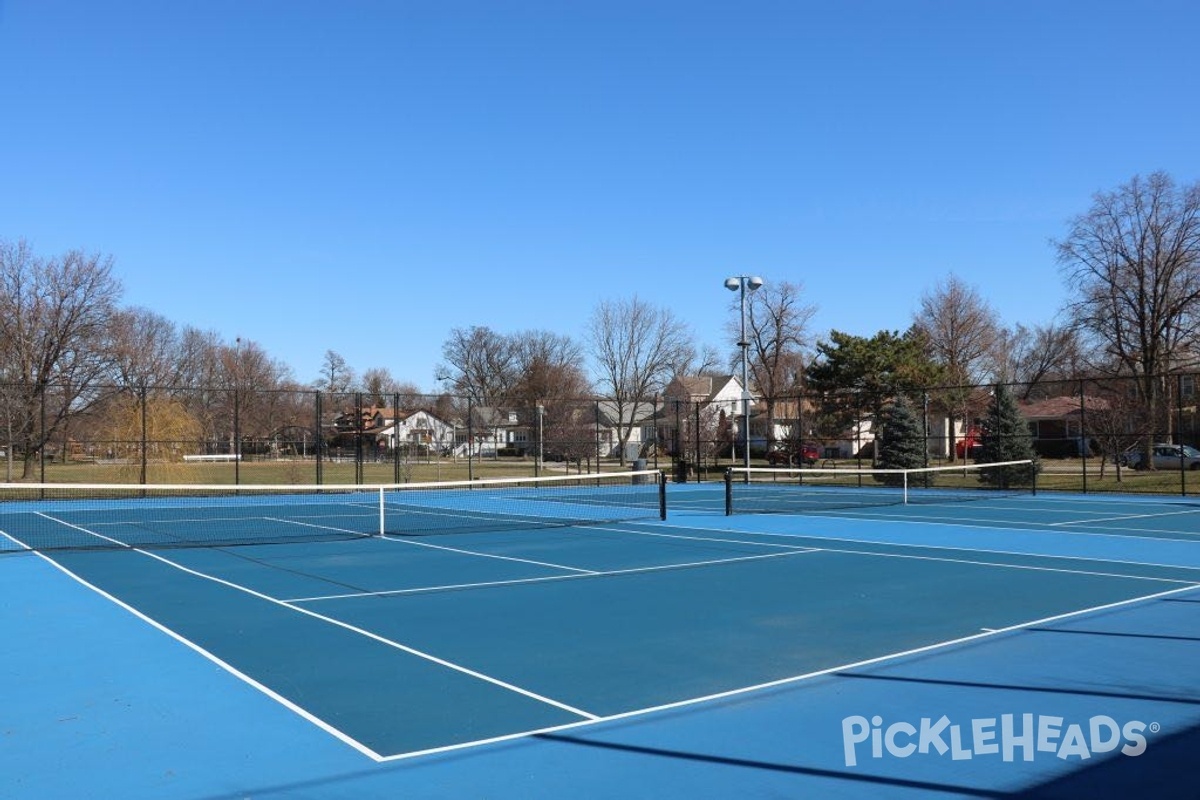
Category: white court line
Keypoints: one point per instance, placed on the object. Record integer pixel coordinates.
(117, 542)
(232, 670)
(442, 547)
(717, 539)
(209, 520)
(24, 547)
(967, 522)
(1003, 565)
(373, 636)
(1123, 517)
(590, 719)
(1013, 524)
(800, 678)
(338, 623)
(1187, 537)
(792, 550)
(724, 540)
(914, 545)
(544, 579)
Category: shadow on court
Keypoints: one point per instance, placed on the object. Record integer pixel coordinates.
(1166, 771)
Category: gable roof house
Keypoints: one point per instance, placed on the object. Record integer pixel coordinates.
(640, 419)
(360, 424)
(491, 429)
(1057, 423)
(418, 430)
(721, 391)
(702, 414)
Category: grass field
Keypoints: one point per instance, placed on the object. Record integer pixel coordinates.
(1063, 475)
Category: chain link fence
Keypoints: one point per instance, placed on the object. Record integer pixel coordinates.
(1091, 434)
(229, 435)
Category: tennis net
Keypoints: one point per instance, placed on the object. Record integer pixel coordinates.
(810, 489)
(99, 516)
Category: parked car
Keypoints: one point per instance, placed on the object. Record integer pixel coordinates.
(1165, 456)
(970, 445)
(791, 454)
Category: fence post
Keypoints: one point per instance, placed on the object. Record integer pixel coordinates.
(142, 403)
(396, 437)
(470, 440)
(1083, 439)
(596, 420)
(318, 441)
(1179, 433)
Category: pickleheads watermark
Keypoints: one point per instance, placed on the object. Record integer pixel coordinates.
(1009, 737)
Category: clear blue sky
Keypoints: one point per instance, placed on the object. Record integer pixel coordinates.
(365, 176)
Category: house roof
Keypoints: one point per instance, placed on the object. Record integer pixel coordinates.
(698, 387)
(1059, 407)
(630, 414)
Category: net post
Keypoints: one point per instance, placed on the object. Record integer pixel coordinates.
(1033, 473)
(662, 496)
(382, 527)
(905, 482)
(729, 492)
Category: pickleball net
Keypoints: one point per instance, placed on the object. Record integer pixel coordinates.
(760, 490)
(99, 516)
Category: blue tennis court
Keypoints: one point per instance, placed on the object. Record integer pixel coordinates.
(1041, 646)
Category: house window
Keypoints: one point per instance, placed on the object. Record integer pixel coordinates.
(1052, 429)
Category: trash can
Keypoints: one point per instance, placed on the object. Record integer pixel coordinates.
(681, 471)
(639, 465)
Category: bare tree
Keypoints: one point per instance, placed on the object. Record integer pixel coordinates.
(637, 349)
(336, 374)
(381, 388)
(548, 368)
(1133, 262)
(960, 330)
(199, 355)
(480, 364)
(1032, 356)
(146, 349)
(550, 393)
(54, 319)
(250, 406)
(706, 362)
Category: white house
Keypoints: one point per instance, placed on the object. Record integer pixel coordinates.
(638, 418)
(417, 429)
(719, 392)
(703, 413)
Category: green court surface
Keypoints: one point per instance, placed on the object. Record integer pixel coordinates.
(1039, 646)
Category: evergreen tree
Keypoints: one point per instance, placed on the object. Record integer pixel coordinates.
(1005, 437)
(902, 442)
(857, 377)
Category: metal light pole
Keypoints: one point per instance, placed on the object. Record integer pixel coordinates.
(541, 413)
(740, 283)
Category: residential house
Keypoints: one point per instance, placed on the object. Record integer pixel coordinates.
(639, 419)
(494, 430)
(702, 414)
(1057, 423)
(418, 431)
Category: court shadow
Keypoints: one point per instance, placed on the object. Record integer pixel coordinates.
(870, 783)
(1166, 771)
(1117, 634)
(1011, 687)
